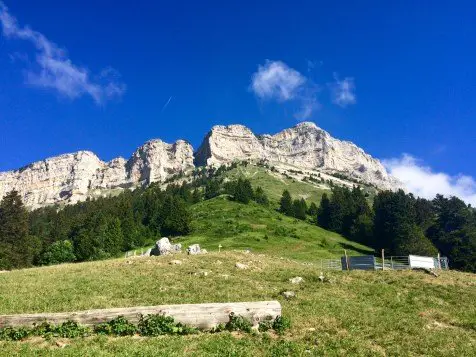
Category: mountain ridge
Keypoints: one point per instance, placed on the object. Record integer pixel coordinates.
(73, 177)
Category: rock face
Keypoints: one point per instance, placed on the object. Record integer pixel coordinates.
(73, 177)
(70, 178)
(303, 146)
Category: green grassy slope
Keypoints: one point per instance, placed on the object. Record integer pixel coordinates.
(262, 229)
(274, 183)
(389, 313)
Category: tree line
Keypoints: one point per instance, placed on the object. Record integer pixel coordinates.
(397, 222)
(104, 227)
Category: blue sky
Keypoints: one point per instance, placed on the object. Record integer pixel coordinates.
(395, 78)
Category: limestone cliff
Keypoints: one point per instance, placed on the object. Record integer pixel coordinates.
(73, 177)
(303, 146)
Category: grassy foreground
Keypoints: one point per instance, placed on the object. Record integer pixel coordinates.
(358, 313)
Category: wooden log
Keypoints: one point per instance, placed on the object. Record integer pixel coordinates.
(203, 316)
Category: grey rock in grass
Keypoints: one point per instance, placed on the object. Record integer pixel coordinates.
(162, 247)
(296, 280)
(288, 294)
(194, 249)
(175, 262)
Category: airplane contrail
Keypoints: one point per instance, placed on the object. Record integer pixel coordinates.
(166, 104)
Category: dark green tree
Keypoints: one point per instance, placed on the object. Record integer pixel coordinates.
(454, 232)
(324, 212)
(286, 204)
(17, 247)
(260, 196)
(395, 224)
(299, 209)
(243, 192)
(176, 217)
(212, 189)
(312, 211)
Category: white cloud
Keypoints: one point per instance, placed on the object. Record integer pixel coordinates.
(54, 70)
(343, 91)
(424, 182)
(277, 81)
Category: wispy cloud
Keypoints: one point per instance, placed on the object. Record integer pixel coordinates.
(424, 182)
(343, 91)
(166, 104)
(275, 80)
(54, 70)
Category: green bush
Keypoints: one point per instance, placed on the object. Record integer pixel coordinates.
(238, 323)
(281, 324)
(156, 325)
(118, 326)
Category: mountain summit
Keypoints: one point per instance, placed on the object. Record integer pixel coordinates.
(70, 178)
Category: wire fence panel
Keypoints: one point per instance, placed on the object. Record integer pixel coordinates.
(366, 263)
(330, 264)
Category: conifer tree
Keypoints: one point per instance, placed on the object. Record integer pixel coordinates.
(299, 209)
(286, 204)
(17, 247)
(260, 196)
(324, 212)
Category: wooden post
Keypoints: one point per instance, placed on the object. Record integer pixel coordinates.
(219, 248)
(391, 262)
(203, 316)
(383, 259)
(439, 261)
(346, 259)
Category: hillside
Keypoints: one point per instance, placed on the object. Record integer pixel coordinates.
(252, 226)
(358, 313)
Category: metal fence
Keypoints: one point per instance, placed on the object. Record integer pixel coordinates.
(370, 262)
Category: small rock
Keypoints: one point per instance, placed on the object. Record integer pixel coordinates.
(241, 266)
(288, 294)
(177, 248)
(311, 329)
(202, 273)
(204, 251)
(321, 277)
(175, 262)
(194, 249)
(296, 280)
(147, 252)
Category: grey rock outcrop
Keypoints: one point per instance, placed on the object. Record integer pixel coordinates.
(70, 178)
(302, 146)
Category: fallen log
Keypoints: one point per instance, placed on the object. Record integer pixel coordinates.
(203, 316)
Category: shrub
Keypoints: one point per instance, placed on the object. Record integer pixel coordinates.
(156, 325)
(238, 323)
(281, 324)
(119, 326)
(13, 334)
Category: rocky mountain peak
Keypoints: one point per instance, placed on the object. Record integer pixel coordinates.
(73, 177)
